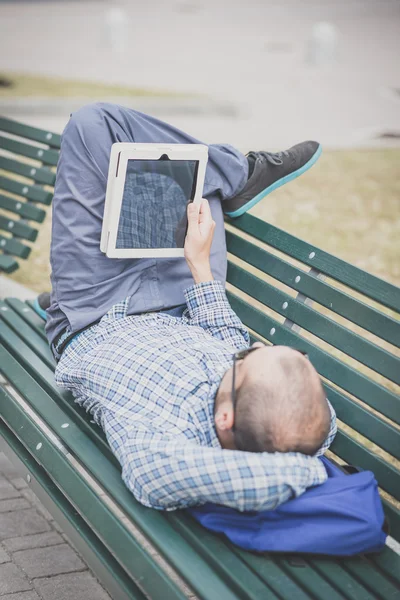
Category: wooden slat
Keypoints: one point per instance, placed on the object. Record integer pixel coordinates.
(12, 246)
(356, 454)
(26, 210)
(31, 133)
(18, 229)
(328, 366)
(307, 284)
(38, 174)
(48, 157)
(367, 423)
(369, 285)
(8, 264)
(32, 192)
(316, 323)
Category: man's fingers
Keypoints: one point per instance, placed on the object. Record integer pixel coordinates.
(193, 213)
(205, 212)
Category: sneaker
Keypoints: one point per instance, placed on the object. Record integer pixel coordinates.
(268, 171)
(41, 304)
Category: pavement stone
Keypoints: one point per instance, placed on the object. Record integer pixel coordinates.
(4, 557)
(51, 560)
(75, 586)
(29, 495)
(13, 504)
(21, 522)
(30, 595)
(38, 540)
(19, 483)
(7, 467)
(7, 490)
(12, 579)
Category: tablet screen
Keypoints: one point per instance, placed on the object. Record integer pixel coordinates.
(154, 203)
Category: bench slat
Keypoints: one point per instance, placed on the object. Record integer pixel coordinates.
(8, 264)
(366, 572)
(26, 311)
(266, 567)
(19, 229)
(229, 565)
(355, 278)
(389, 562)
(39, 346)
(328, 366)
(38, 174)
(358, 455)
(26, 210)
(129, 552)
(333, 333)
(48, 157)
(32, 192)
(367, 423)
(32, 133)
(355, 565)
(319, 573)
(12, 246)
(307, 284)
(44, 375)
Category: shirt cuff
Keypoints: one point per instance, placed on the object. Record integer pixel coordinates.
(318, 473)
(204, 296)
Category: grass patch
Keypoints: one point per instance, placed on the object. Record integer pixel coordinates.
(22, 85)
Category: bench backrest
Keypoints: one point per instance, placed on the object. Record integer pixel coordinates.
(288, 292)
(28, 157)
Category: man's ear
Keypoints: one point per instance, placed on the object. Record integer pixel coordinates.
(224, 417)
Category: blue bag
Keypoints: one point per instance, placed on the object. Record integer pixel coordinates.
(341, 517)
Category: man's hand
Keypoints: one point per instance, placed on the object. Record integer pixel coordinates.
(198, 240)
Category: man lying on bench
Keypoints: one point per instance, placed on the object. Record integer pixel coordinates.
(152, 348)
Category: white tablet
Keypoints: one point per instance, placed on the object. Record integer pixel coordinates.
(148, 189)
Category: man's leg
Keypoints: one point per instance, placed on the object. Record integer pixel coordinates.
(84, 280)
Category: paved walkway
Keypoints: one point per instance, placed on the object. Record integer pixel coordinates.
(37, 560)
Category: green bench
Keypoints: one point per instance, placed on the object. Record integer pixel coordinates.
(287, 292)
(29, 155)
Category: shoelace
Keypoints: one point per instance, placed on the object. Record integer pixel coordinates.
(275, 158)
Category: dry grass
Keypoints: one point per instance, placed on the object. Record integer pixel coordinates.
(38, 86)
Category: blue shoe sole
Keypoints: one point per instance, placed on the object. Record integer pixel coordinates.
(40, 311)
(240, 211)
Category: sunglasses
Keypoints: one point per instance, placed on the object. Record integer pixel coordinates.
(240, 356)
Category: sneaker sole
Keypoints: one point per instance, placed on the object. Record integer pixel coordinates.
(39, 310)
(240, 211)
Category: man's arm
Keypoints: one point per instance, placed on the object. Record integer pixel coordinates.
(168, 472)
(208, 306)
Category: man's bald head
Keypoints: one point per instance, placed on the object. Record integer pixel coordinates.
(280, 404)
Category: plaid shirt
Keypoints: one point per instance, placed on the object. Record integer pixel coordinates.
(150, 381)
(155, 226)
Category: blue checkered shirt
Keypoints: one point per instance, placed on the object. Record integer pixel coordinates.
(153, 205)
(150, 381)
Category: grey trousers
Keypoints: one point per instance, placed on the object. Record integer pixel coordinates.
(85, 283)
